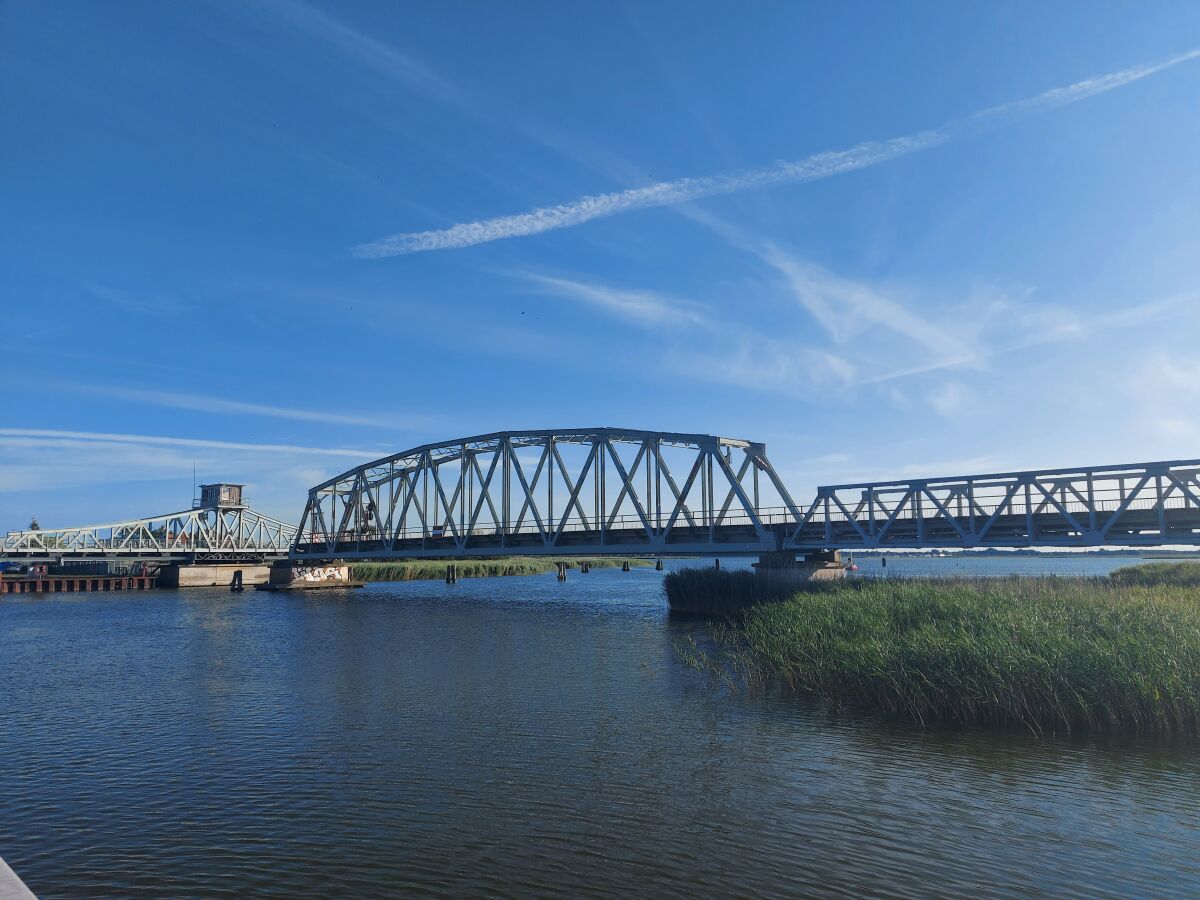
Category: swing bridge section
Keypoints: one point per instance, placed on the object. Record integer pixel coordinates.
(616, 491)
(203, 534)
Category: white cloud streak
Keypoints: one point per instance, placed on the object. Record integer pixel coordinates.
(812, 168)
(1045, 333)
(201, 403)
(44, 437)
(645, 307)
(843, 307)
(726, 353)
(139, 304)
(384, 59)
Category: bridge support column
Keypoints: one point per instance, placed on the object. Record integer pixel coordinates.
(178, 575)
(819, 565)
(286, 576)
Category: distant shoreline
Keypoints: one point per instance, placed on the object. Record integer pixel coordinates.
(428, 569)
(993, 553)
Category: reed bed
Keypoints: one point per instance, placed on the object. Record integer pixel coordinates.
(1180, 574)
(421, 569)
(1049, 654)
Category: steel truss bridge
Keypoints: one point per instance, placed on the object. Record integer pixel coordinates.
(202, 534)
(610, 491)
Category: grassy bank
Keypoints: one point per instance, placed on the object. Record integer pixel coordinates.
(1051, 654)
(479, 568)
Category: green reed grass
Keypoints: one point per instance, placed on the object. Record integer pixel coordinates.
(1182, 574)
(1051, 654)
(420, 569)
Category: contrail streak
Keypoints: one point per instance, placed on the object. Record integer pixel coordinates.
(812, 168)
(46, 436)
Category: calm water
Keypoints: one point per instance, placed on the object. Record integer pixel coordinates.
(514, 737)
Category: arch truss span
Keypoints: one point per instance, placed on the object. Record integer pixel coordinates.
(585, 491)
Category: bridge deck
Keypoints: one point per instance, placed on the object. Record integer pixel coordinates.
(620, 491)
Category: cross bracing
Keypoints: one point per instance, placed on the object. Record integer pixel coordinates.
(205, 533)
(1140, 504)
(543, 492)
(608, 490)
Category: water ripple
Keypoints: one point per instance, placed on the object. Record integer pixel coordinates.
(517, 737)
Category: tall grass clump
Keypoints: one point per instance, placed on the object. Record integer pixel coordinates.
(1181, 574)
(719, 591)
(420, 569)
(1045, 653)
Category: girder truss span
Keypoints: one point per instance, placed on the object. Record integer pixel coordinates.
(1147, 504)
(549, 492)
(227, 532)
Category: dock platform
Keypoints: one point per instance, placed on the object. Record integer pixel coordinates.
(58, 584)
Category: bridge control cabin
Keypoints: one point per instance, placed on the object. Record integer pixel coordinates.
(221, 496)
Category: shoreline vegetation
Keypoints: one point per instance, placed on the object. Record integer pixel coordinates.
(1114, 653)
(424, 569)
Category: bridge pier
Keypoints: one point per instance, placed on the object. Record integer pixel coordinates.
(816, 565)
(287, 576)
(180, 575)
(717, 594)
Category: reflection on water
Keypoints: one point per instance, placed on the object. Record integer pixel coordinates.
(516, 736)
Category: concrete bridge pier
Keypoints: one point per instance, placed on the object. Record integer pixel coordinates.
(179, 575)
(816, 565)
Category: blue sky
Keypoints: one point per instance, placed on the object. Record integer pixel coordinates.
(277, 238)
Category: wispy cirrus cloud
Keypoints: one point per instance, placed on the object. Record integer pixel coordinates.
(418, 77)
(1027, 329)
(812, 168)
(707, 348)
(41, 470)
(845, 307)
(646, 307)
(202, 403)
(47, 437)
(382, 57)
(139, 303)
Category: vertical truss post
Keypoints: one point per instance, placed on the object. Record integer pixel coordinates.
(505, 484)
(548, 455)
(658, 523)
(919, 513)
(1091, 501)
(1161, 502)
(1029, 526)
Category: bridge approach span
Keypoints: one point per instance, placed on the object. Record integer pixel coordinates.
(235, 534)
(622, 491)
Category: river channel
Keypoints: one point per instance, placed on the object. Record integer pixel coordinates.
(516, 737)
